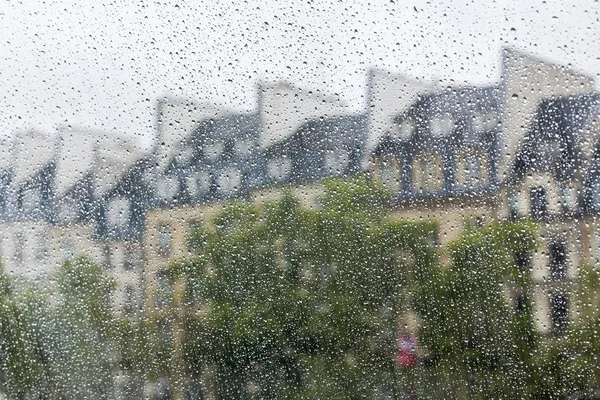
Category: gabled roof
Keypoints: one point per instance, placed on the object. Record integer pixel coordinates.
(284, 108)
(115, 155)
(32, 151)
(176, 121)
(75, 157)
(553, 142)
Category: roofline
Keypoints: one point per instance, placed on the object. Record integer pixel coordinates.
(569, 69)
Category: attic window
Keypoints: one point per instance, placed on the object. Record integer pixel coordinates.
(472, 168)
(388, 170)
(442, 125)
(31, 199)
(279, 168)
(167, 187)
(538, 202)
(406, 130)
(118, 212)
(198, 184)
(485, 121)
(427, 173)
(243, 148)
(336, 161)
(230, 180)
(212, 151)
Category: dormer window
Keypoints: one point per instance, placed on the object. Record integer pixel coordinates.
(596, 194)
(164, 240)
(441, 125)
(213, 150)
(406, 129)
(389, 172)
(538, 202)
(427, 173)
(68, 210)
(30, 199)
(513, 206)
(567, 198)
(336, 161)
(198, 184)
(167, 187)
(279, 168)
(558, 261)
(485, 121)
(184, 155)
(118, 212)
(471, 168)
(243, 148)
(230, 180)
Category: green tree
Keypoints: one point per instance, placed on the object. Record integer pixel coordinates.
(283, 300)
(25, 359)
(479, 346)
(84, 337)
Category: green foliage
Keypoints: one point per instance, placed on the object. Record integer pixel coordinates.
(283, 301)
(83, 331)
(279, 294)
(469, 328)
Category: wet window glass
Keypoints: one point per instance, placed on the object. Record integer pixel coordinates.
(299, 200)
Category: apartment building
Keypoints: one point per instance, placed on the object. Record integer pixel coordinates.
(526, 147)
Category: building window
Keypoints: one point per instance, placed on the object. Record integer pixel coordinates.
(442, 125)
(167, 188)
(196, 236)
(523, 261)
(68, 210)
(538, 202)
(558, 261)
(485, 121)
(279, 168)
(596, 195)
(184, 155)
(164, 240)
(129, 305)
(406, 130)
(472, 168)
(107, 256)
(244, 148)
(163, 290)
(336, 161)
(42, 246)
(427, 172)
(559, 313)
(513, 206)
(30, 199)
(68, 250)
(213, 150)
(389, 173)
(471, 223)
(567, 198)
(118, 212)
(230, 180)
(129, 258)
(19, 248)
(198, 184)
(521, 303)
(597, 247)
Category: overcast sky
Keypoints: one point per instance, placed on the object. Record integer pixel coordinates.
(102, 64)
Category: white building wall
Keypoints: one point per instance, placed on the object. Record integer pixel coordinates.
(74, 157)
(284, 108)
(31, 152)
(390, 95)
(177, 119)
(528, 80)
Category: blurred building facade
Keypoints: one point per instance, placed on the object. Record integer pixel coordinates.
(525, 148)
